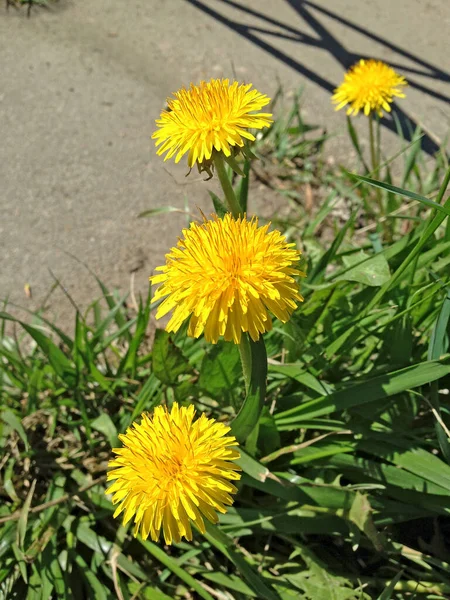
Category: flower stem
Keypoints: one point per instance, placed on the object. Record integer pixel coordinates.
(246, 360)
(378, 142)
(374, 153)
(225, 182)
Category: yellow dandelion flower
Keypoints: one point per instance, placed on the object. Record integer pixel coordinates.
(226, 275)
(172, 471)
(370, 85)
(214, 116)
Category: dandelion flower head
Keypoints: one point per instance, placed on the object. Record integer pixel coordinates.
(226, 275)
(172, 471)
(371, 86)
(214, 116)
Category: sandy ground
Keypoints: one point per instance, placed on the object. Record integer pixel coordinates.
(81, 85)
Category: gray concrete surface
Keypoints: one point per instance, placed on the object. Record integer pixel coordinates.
(81, 85)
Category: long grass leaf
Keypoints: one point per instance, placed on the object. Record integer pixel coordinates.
(250, 411)
(171, 564)
(60, 363)
(406, 193)
(377, 388)
(225, 545)
(355, 142)
(23, 519)
(438, 346)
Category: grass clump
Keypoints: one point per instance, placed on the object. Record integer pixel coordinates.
(346, 478)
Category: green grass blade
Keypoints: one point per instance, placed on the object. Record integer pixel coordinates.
(96, 589)
(23, 520)
(120, 317)
(242, 189)
(9, 417)
(412, 156)
(160, 210)
(434, 222)
(413, 459)
(225, 545)
(62, 366)
(128, 364)
(377, 388)
(406, 193)
(250, 412)
(103, 326)
(438, 346)
(219, 206)
(171, 564)
(320, 267)
(147, 398)
(63, 336)
(355, 141)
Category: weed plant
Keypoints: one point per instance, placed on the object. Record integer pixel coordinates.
(345, 491)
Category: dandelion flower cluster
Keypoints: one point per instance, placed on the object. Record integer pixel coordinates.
(172, 471)
(226, 275)
(214, 116)
(370, 85)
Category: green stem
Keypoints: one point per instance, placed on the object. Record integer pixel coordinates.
(375, 163)
(378, 142)
(246, 360)
(227, 188)
(373, 154)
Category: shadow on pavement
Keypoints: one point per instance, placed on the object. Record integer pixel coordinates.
(327, 41)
